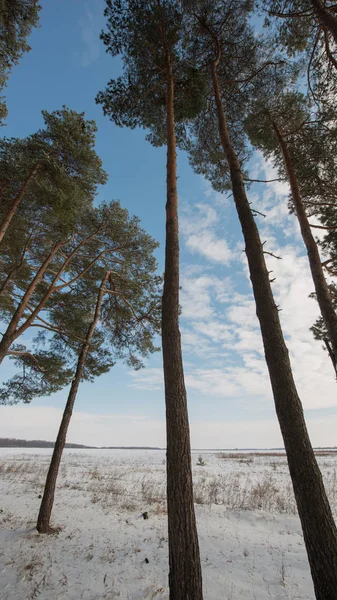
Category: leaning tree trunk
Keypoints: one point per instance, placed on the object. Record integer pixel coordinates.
(317, 522)
(185, 579)
(17, 200)
(12, 332)
(43, 521)
(322, 291)
(326, 17)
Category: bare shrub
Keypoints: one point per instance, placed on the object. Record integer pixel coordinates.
(95, 474)
(152, 492)
(129, 506)
(72, 485)
(159, 509)
(264, 493)
(113, 489)
(246, 461)
(96, 498)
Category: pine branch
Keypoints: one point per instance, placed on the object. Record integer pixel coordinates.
(31, 356)
(261, 180)
(329, 227)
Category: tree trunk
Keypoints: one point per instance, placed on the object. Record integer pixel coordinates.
(318, 525)
(185, 579)
(322, 291)
(326, 17)
(16, 201)
(12, 333)
(43, 521)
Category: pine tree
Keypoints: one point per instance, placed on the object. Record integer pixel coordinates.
(48, 168)
(279, 124)
(44, 216)
(160, 91)
(303, 19)
(65, 296)
(105, 272)
(307, 28)
(221, 37)
(121, 328)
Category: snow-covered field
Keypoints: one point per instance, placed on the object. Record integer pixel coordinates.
(250, 537)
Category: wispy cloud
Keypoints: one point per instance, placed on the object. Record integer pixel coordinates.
(147, 379)
(200, 229)
(91, 23)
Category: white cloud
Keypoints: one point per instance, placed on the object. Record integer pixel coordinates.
(231, 333)
(199, 293)
(199, 227)
(208, 245)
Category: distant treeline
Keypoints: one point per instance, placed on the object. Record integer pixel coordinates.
(14, 443)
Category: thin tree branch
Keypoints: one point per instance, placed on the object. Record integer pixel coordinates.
(329, 260)
(329, 227)
(31, 356)
(257, 212)
(272, 254)
(261, 180)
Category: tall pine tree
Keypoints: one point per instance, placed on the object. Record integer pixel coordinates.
(160, 90)
(221, 39)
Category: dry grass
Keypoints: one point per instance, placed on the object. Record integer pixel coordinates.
(248, 455)
(238, 492)
(152, 492)
(245, 484)
(279, 454)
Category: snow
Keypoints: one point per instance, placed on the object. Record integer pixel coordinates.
(250, 536)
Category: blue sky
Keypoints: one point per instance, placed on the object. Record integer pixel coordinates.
(230, 401)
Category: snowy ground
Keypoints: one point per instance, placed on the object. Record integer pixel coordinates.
(250, 537)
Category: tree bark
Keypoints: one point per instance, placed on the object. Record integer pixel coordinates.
(317, 522)
(322, 291)
(43, 521)
(17, 200)
(185, 580)
(11, 332)
(325, 17)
